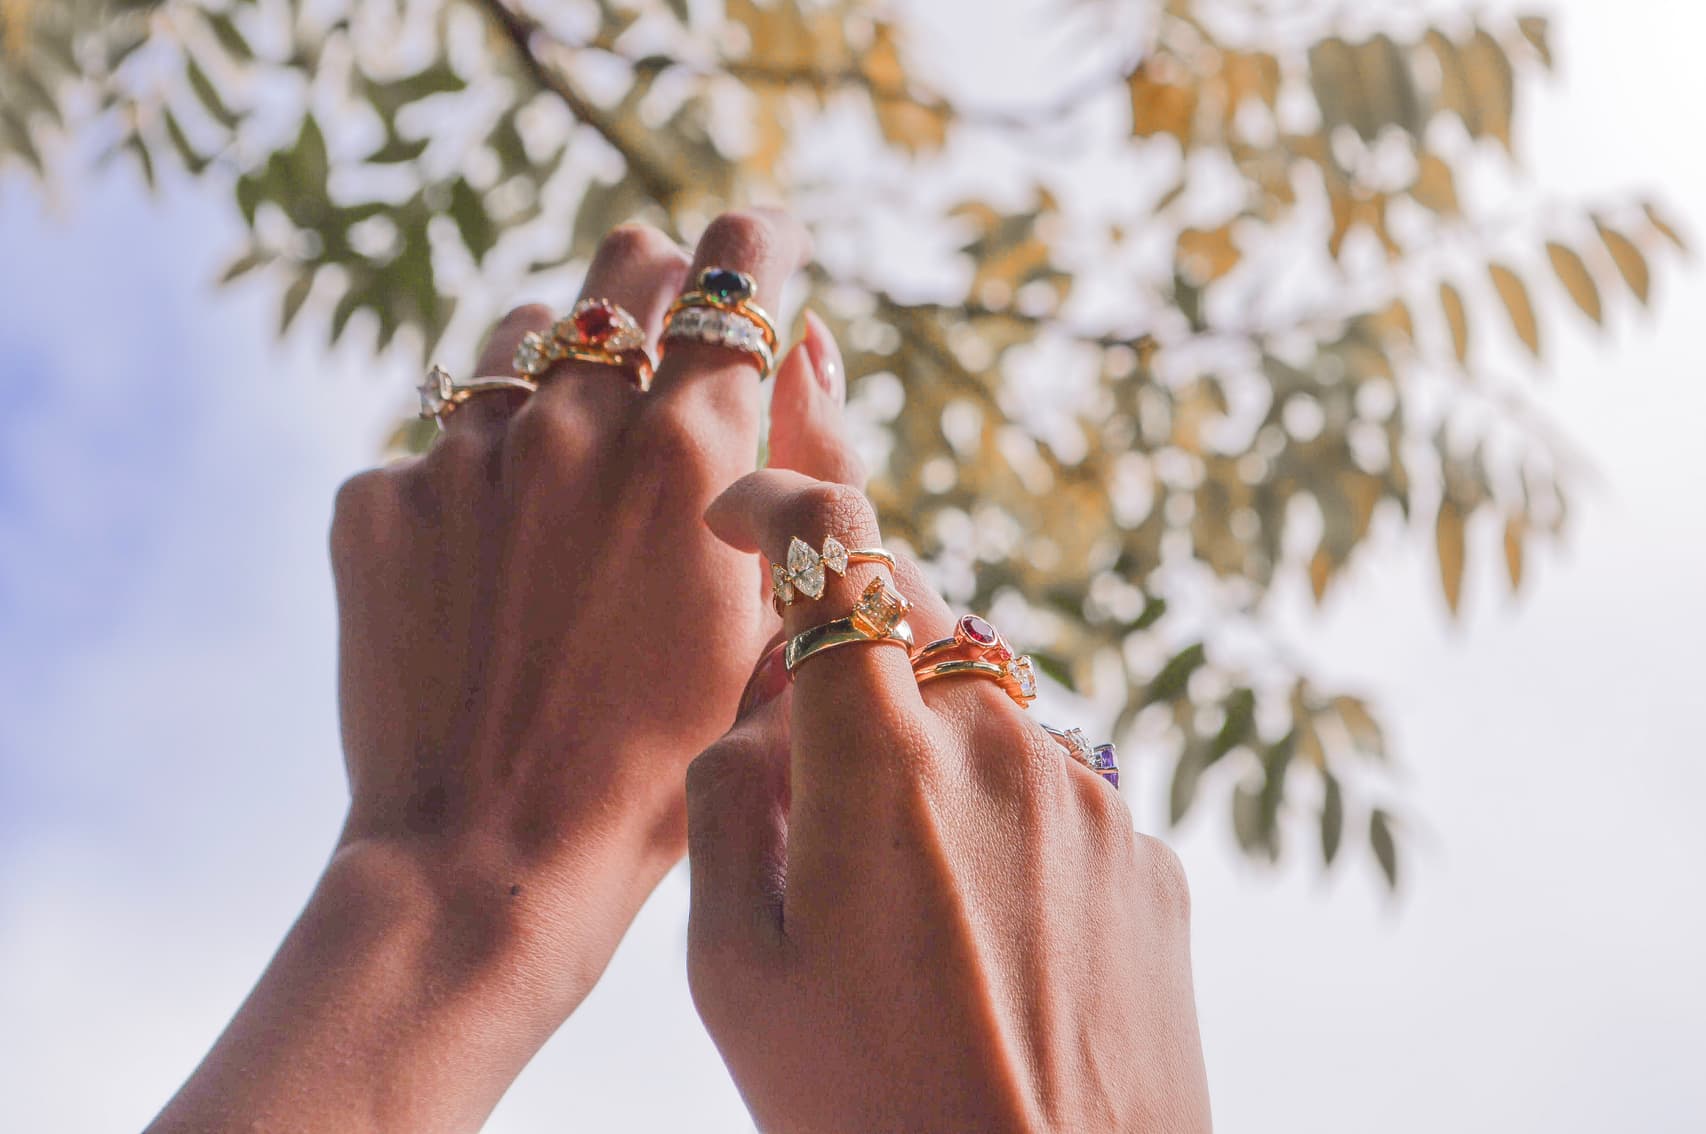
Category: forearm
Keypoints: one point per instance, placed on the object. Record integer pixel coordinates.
(404, 999)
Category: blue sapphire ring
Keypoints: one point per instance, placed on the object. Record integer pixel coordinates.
(720, 310)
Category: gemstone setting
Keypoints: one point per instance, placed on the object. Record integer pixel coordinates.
(436, 393)
(533, 354)
(725, 285)
(879, 608)
(835, 555)
(805, 569)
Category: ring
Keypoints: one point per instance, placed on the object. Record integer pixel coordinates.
(973, 638)
(595, 330)
(1016, 675)
(804, 571)
(720, 310)
(441, 395)
(879, 616)
(1099, 758)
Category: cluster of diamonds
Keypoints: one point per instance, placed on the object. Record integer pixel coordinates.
(722, 328)
(992, 647)
(804, 572)
(534, 354)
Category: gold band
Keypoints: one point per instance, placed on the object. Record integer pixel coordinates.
(803, 573)
(441, 395)
(636, 362)
(841, 632)
(1016, 677)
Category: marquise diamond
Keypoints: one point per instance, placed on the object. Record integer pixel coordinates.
(835, 555)
(805, 569)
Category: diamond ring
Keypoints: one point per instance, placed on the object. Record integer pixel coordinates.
(803, 574)
(720, 310)
(595, 330)
(441, 395)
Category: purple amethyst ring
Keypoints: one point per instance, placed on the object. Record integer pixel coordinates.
(1098, 758)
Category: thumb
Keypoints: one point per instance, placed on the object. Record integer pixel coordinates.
(737, 827)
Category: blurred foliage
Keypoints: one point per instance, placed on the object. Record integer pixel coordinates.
(1297, 351)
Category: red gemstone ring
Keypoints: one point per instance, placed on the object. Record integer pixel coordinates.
(596, 330)
(974, 639)
(977, 649)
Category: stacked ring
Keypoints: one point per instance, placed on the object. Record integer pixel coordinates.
(977, 650)
(595, 330)
(441, 395)
(720, 310)
(1099, 758)
(804, 572)
(879, 615)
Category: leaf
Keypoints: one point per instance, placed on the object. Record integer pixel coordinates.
(1175, 675)
(1572, 272)
(1537, 30)
(294, 298)
(468, 210)
(1187, 774)
(1448, 536)
(1514, 294)
(243, 265)
(309, 161)
(1664, 227)
(1492, 85)
(1320, 573)
(225, 31)
(193, 161)
(207, 94)
(1333, 81)
(1205, 255)
(398, 149)
(1238, 726)
(1332, 818)
(349, 303)
(678, 9)
(1630, 263)
(1435, 188)
(1055, 668)
(1161, 108)
(1247, 816)
(1385, 849)
(1513, 551)
(1364, 730)
(1457, 318)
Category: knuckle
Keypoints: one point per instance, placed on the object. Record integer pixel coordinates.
(637, 242)
(542, 434)
(740, 237)
(838, 509)
(670, 441)
(1164, 875)
(363, 506)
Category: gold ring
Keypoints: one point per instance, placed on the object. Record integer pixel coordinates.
(804, 572)
(973, 638)
(596, 331)
(1016, 676)
(441, 395)
(721, 311)
(879, 615)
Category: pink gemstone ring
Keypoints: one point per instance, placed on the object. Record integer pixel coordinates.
(597, 331)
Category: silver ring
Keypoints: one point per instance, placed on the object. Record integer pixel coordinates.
(1099, 758)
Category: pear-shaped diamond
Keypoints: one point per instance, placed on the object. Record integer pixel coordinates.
(435, 393)
(805, 569)
(835, 556)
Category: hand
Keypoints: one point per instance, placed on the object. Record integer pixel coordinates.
(537, 633)
(911, 910)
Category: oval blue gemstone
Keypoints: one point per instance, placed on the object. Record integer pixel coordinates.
(725, 284)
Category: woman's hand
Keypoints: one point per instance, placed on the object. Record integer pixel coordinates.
(911, 910)
(537, 633)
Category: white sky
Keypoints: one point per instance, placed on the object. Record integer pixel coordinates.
(169, 777)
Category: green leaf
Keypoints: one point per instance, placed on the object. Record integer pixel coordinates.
(1175, 675)
(1056, 668)
(1332, 818)
(1247, 816)
(243, 265)
(397, 149)
(468, 210)
(309, 162)
(144, 159)
(250, 192)
(225, 31)
(1187, 774)
(294, 297)
(1153, 610)
(207, 94)
(1238, 726)
(349, 303)
(1384, 846)
(193, 161)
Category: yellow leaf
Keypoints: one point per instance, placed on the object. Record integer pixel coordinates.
(1573, 274)
(1161, 108)
(1360, 723)
(1448, 536)
(1320, 573)
(1435, 188)
(1457, 318)
(1630, 263)
(1514, 295)
(1664, 227)
(1513, 550)
(1206, 255)
(1492, 85)
(1536, 30)
(1395, 321)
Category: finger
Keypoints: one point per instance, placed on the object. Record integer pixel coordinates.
(640, 269)
(717, 384)
(497, 359)
(807, 428)
(737, 831)
(855, 698)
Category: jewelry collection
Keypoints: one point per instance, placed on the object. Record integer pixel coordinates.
(720, 311)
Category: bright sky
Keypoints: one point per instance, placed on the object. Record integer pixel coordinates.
(169, 776)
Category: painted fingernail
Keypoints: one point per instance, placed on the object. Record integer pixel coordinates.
(766, 683)
(826, 358)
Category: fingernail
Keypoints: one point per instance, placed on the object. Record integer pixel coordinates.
(826, 358)
(766, 683)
